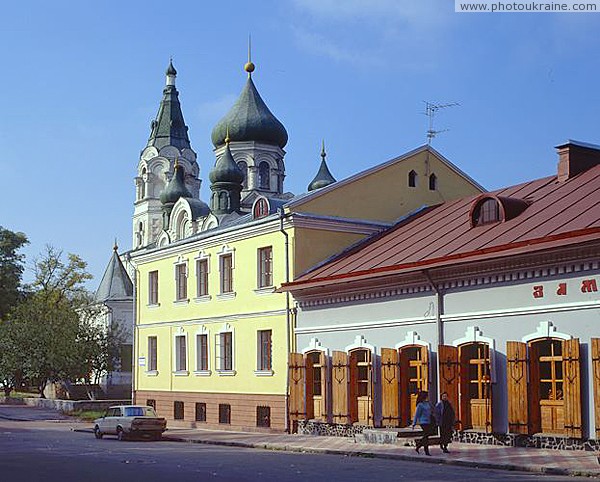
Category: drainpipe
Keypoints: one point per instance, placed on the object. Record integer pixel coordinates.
(287, 315)
(134, 335)
(439, 323)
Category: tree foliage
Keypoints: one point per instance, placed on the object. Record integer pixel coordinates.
(11, 268)
(54, 334)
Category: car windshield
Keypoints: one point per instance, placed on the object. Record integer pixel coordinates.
(139, 412)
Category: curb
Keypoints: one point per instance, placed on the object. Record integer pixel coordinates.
(361, 453)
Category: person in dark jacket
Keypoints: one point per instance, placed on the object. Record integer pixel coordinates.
(424, 417)
(444, 416)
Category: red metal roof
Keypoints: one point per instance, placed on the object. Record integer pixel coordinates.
(558, 214)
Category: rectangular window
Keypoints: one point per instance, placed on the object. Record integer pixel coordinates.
(200, 412)
(152, 354)
(201, 277)
(265, 267)
(201, 353)
(264, 349)
(178, 410)
(153, 288)
(224, 413)
(226, 268)
(263, 416)
(181, 281)
(180, 353)
(126, 357)
(225, 351)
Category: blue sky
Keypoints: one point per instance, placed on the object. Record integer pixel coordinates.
(82, 80)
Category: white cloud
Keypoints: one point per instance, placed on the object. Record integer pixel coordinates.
(213, 110)
(321, 45)
(421, 12)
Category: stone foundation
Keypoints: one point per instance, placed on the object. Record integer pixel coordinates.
(532, 441)
(312, 427)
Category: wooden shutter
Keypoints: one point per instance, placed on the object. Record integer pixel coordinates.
(390, 371)
(404, 379)
(339, 387)
(353, 386)
(516, 386)
(296, 404)
(572, 387)
(533, 365)
(425, 368)
(449, 373)
(324, 388)
(464, 415)
(596, 381)
(309, 390)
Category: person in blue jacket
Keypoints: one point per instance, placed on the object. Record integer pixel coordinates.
(424, 418)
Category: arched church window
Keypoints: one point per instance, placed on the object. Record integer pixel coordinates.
(263, 175)
(223, 201)
(412, 179)
(244, 168)
(433, 182)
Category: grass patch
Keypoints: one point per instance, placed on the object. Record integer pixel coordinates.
(86, 415)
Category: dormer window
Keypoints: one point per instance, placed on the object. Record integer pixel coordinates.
(261, 208)
(486, 212)
(412, 179)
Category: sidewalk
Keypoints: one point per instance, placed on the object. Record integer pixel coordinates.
(557, 462)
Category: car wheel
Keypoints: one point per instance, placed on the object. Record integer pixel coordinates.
(97, 433)
(120, 434)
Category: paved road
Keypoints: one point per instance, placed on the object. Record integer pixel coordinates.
(38, 450)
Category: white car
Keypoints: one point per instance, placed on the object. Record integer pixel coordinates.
(130, 421)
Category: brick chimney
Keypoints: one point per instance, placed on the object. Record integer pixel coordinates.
(576, 157)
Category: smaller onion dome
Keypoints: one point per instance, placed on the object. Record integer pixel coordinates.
(226, 169)
(170, 69)
(324, 176)
(176, 187)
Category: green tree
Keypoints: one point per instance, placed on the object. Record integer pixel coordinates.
(45, 327)
(11, 268)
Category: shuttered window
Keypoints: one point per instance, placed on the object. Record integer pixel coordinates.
(180, 353)
(202, 352)
(226, 271)
(264, 350)
(181, 281)
(265, 267)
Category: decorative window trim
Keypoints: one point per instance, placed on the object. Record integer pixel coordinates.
(226, 250)
(152, 373)
(264, 373)
(545, 329)
(260, 207)
(226, 296)
(360, 342)
(412, 338)
(202, 256)
(180, 332)
(202, 331)
(181, 261)
(225, 328)
(259, 273)
(267, 290)
(315, 345)
(474, 335)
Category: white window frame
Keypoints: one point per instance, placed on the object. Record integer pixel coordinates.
(226, 250)
(181, 262)
(150, 301)
(150, 372)
(206, 372)
(202, 256)
(176, 361)
(259, 371)
(226, 328)
(474, 335)
(259, 269)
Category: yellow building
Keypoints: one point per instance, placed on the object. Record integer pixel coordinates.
(211, 336)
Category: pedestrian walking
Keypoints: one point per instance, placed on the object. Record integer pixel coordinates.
(445, 416)
(424, 418)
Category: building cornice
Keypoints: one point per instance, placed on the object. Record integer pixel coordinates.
(212, 319)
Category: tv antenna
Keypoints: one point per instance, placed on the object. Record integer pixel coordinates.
(430, 111)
